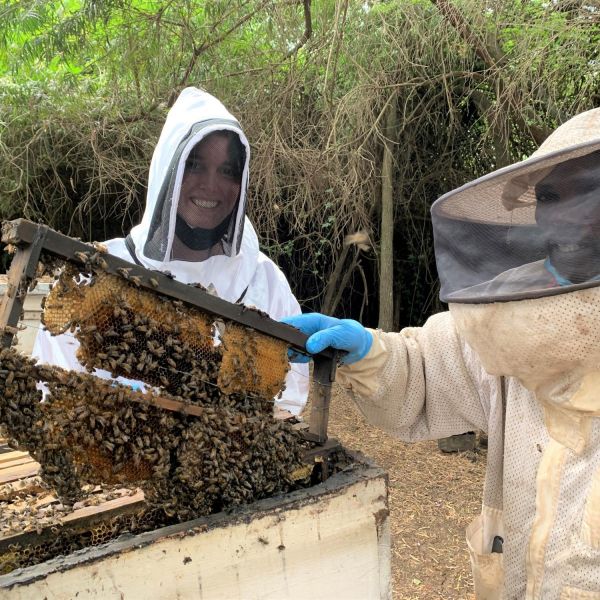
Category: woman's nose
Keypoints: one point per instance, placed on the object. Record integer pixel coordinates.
(209, 180)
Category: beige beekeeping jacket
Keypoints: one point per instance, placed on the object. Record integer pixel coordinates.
(541, 494)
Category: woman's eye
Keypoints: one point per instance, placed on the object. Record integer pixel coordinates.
(193, 165)
(228, 171)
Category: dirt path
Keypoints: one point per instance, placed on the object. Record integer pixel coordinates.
(433, 496)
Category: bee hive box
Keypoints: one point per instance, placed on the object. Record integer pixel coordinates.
(32, 311)
(232, 502)
(328, 541)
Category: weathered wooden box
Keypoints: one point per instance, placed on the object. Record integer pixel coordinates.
(329, 541)
(32, 312)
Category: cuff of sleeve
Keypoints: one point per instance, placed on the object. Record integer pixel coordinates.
(362, 377)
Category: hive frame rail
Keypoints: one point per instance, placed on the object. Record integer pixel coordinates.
(31, 239)
(80, 520)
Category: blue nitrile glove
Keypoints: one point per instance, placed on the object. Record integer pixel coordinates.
(329, 332)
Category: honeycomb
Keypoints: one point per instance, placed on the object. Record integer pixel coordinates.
(88, 430)
(246, 353)
(138, 334)
(67, 540)
(93, 431)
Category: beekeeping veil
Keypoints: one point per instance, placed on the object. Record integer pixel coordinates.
(518, 255)
(194, 116)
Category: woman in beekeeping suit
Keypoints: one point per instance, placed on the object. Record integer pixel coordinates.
(195, 226)
(517, 356)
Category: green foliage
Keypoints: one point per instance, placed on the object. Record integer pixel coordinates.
(85, 86)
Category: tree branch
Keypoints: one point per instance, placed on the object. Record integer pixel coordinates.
(198, 50)
(307, 30)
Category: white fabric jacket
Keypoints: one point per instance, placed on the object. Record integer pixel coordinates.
(541, 494)
(243, 271)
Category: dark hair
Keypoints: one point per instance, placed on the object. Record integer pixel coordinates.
(235, 150)
(547, 190)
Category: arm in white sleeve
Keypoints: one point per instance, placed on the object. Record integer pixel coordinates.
(421, 383)
(59, 350)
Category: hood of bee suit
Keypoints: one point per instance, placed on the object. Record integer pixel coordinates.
(524, 321)
(194, 115)
(528, 230)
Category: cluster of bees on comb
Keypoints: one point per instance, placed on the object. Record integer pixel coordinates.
(52, 539)
(219, 448)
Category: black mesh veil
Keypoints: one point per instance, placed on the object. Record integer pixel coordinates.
(524, 233)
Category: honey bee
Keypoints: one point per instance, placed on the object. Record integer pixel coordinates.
(102, 263)
(82, 256)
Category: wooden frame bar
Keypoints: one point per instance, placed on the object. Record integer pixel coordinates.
(25, 234)
(21, 273)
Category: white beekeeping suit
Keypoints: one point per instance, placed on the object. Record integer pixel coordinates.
(225, 258)
(517, 356)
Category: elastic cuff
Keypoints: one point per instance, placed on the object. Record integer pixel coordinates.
(362, 377)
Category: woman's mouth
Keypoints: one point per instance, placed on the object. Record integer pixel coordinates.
(204, 203)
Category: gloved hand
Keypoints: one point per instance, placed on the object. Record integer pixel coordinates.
(329, 332)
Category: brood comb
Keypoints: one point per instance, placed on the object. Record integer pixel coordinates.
(203, 437)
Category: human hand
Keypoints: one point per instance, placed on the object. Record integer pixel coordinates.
(329, 332)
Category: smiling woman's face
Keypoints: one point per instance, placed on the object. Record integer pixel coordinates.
(211, 183)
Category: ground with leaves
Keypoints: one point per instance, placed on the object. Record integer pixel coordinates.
(433, 497)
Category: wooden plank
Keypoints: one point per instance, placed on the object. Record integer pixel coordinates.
(22, 270)
(17, 461)
(83, 512)
(112, 505)
(323, 377)
(321, 451)
(12, 455)
(40, 501)
(80, 519)
(21, 487)
(172, 405)
(19, 472)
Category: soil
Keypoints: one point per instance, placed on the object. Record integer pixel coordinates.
(432, 498)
